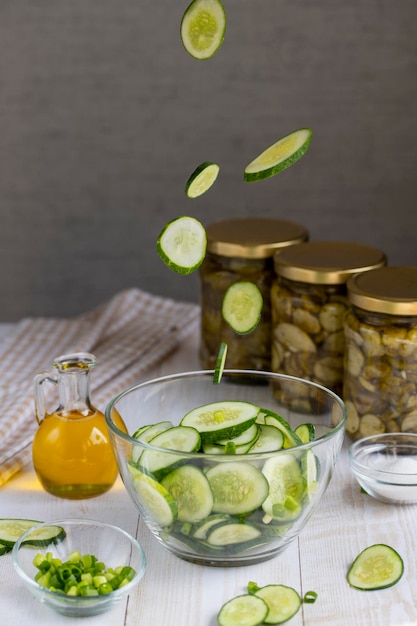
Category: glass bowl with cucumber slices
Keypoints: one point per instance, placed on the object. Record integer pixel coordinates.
(78, 567)
(221, 473)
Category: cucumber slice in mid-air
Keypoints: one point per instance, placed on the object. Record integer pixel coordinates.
(242, 307)
(203, 177)
(182, 244)
(376, 567)
(220, 362)
(279, 156)
(203, 27)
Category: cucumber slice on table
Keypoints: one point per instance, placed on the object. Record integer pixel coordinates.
(182, 244)
(203, 27)
(245, 610)
(203, 177)
(220, 362)
(12, 529)
(242, 307)
(4, 549)
(377, 567)
(283, 602)
(221, 420)
(279, 156)
(238, 488)
(191, 491)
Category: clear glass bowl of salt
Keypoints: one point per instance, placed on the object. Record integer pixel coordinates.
(385, 466)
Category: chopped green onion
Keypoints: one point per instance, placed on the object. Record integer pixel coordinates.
(80, 575)
(310, 597)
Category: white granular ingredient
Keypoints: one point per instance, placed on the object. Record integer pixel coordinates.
(402, 465)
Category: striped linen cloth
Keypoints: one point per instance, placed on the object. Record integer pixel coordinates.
(128, 335)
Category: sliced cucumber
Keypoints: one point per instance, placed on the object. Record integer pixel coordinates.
(4, 549)
(147, 433)
(220, 362)
(245, 610)
(221, 420)
(203, 177)
(203, 27)
(157, 502)
(200, 530)
(306, 432)
(249, 435)
(270, 418)
(191, 491)
(11, 529)
(279, 156)
(178, 439)
(238, 488)
(182, 244)
(230, 533)
(242, 307)
(310, 470)
(270, 439)
(377, 567)
(283, 602)
(287, 487)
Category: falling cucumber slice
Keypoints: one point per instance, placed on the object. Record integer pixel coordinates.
(220, 361)
(242, 307)
(377, 567)
(279, 156)
(182, 244)
(203, 27)
(203, 177)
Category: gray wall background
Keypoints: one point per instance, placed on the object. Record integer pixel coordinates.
(103, 116)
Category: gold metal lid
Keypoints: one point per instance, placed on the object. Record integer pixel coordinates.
(326, 262)
(253, 237)
(391, 290)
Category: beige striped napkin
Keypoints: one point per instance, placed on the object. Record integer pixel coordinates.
(128, 335)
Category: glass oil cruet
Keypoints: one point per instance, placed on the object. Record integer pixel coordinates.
(72, 453)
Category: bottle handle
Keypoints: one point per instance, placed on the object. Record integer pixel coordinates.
(40, 401)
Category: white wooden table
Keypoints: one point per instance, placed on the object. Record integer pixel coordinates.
(177, 593)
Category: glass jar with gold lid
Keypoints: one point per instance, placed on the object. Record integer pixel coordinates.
(309, 301)
(241, 249)
(380, 386)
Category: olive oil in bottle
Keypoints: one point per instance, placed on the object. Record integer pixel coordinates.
(72, 453)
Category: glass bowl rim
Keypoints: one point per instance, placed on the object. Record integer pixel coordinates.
(209, 374)
(78, 600)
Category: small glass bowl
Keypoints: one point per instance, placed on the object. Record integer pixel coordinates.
(110, 544)
(385, 466)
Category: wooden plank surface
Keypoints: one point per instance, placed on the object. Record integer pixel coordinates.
(177, 593)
